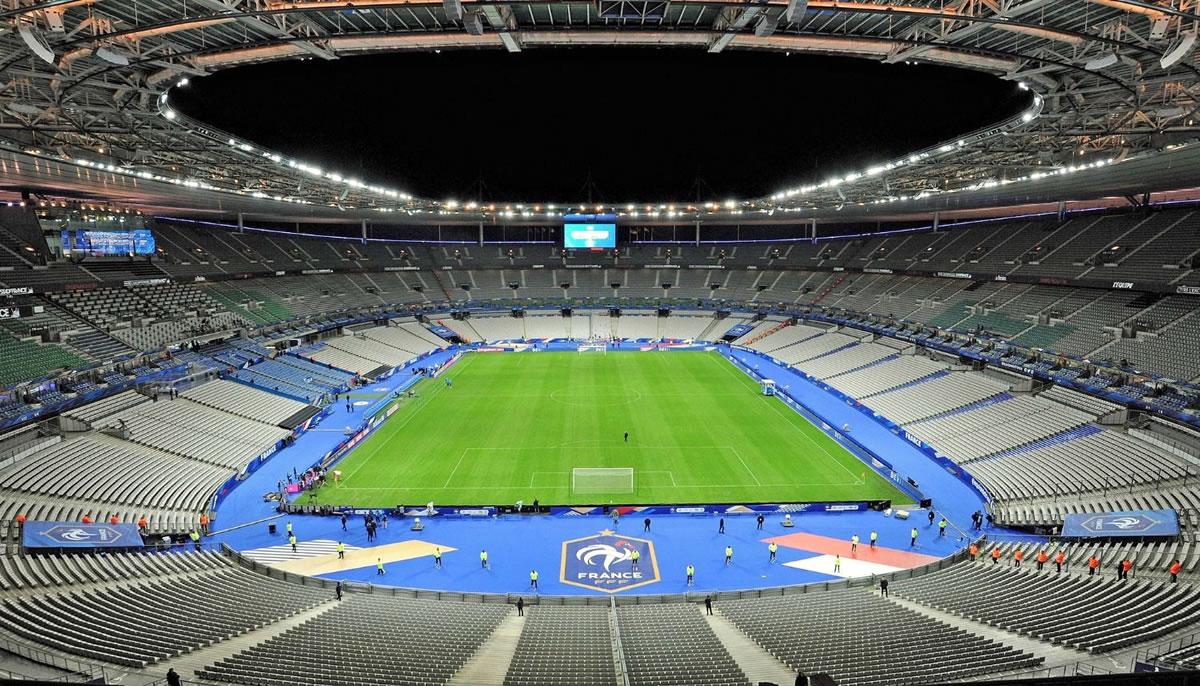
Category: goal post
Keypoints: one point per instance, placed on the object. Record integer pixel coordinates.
(594, 347)
(585, 480)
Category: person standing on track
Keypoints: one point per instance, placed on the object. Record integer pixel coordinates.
(691, 575)
(874, 538)
(646, 525)
(913, 538)
(728, 555)
(760, 522)
(773, 548)
(626, 436)
(341, 550)
(721, 526)
(437, 558)
(635, 559)
(533, 579)
(483, 561)
(854, 544)
(379, 567)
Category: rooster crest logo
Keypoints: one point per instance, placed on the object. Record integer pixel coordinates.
(605, 562)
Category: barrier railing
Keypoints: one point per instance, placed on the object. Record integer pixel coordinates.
(85, 671)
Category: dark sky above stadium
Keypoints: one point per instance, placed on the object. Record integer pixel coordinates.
(596, 124)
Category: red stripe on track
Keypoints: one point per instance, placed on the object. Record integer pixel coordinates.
(838, 546)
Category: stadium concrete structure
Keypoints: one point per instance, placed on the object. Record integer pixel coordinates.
(1002, 324)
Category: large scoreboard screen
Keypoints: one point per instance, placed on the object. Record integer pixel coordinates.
(128, 242)
(590, 231)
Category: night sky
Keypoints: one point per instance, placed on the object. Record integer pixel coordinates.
(603, 125)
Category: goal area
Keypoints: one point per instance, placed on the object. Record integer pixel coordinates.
(594, 347)
(585, 480)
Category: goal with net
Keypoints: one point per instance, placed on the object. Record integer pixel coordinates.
(586, 480)
(594, 347)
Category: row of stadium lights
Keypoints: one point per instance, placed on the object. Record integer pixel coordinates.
(734, 207)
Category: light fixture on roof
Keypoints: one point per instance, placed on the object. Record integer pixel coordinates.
(1104, 61)
(112, 56)
(35, 42)
(1181, 50)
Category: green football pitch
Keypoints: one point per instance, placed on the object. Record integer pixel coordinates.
(514, 425)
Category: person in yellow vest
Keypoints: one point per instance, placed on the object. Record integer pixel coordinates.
(942, 526)
(533, 577)
(854, 543)
(773, 548)
(292, 541)
(874, 538)
(341, 550)
(379, 567)
(691, 575)
(912, 543)
(837, 564)
(195, 536)
(728, 555)
(483, 562)
(437, 558)
(635, 558)
(289, 528)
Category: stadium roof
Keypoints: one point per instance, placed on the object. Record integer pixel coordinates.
(85, 103)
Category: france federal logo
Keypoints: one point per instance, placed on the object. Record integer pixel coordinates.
(605, 563)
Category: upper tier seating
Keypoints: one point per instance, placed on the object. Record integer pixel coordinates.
(561, 645)
(140, 622)
(22, 360)
(846, 360)
(23, 572)
(244, 401)
(861, 639)
(196, 431)
(1096, 614)
(999, 426)
(931, 398)
(672, 644)
(101, 476)
(368, 640)
(884, 377)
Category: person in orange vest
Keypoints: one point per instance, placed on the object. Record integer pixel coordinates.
(1093, 565)
(87, 519)
(1123, 570)
(204, 523)
(1059, 558)
(1041, 559)
(1174, 570)
(995, 556)
(113, 519)
(973, 551)
(143, 525)
(1018, 555)
(20, 519)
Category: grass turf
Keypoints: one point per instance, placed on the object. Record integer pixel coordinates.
(514, 425)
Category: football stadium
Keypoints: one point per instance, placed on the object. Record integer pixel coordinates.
(599, 343)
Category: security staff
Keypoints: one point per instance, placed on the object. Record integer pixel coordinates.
(772, 548)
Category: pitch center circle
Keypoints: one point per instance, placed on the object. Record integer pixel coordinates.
(592, 397)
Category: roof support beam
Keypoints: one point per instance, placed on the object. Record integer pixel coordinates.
(500, 18)
(731, 21)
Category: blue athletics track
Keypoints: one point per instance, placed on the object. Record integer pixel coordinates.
(587, 555)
